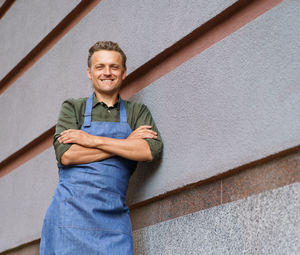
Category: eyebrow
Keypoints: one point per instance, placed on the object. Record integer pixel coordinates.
(100, 64)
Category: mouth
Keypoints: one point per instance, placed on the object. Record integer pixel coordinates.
(103, 80)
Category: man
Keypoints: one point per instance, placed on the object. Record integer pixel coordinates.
(97, 153)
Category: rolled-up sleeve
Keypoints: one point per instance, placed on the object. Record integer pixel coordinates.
(145, 118)
(66, 120)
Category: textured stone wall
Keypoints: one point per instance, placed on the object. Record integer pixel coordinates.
(267, 223)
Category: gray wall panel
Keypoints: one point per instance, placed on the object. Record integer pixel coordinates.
(60, 74)
(25, 195)
(234, 103)
(25, 24)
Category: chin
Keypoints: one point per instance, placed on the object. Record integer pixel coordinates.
(108, 91)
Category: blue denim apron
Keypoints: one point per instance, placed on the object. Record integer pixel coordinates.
(88, 214)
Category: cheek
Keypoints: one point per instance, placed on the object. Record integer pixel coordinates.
(117, 75)
(121, 76)
(96, 75)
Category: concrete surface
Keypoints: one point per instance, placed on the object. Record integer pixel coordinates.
(232, 104)
(26, 193)
(25, 25)
(1, 2)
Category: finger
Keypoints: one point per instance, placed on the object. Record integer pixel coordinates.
(68, 131)
(149, 136)
(144, 132)
(141, 131)
(150, 132)
(65, 133)
(67, 140)
(65, 137)
(144, 127)
(62, 138)
(147, 133)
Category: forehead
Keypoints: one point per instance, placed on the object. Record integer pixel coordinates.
(106, 57)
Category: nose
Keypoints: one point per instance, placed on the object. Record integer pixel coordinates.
(106, 70)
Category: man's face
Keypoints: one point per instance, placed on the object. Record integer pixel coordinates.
(106, 72)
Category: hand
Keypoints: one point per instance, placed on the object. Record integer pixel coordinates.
(143, 132)
(78, 137)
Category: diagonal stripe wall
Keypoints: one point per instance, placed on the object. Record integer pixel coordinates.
(221, 83)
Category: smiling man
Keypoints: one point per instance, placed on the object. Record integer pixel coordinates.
(98, 141)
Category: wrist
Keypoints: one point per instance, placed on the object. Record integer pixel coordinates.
(99, 142)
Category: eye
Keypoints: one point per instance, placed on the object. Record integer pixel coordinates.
(115, 67)
(99, 67)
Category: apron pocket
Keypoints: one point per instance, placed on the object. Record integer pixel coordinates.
(95, 209)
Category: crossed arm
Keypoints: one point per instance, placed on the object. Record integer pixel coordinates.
(87, 148)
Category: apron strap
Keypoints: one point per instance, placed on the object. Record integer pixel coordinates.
(123, 114)
(88, 112)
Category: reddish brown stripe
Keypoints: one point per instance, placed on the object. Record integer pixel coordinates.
(176, 204)
(269, 173)
(31, 248)
(5, 7)
(28, 152)
(216, 29)
(76, 15)
(228, 173)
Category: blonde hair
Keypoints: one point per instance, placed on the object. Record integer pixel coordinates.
(106, 45)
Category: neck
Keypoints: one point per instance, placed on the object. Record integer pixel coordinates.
(109, 100)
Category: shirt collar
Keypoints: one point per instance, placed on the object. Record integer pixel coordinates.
(96, 102)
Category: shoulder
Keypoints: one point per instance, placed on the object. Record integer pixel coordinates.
(73, 107)
(138, 114)
(75, 103)
(135, 106)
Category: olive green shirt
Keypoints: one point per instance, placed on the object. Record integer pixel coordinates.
(72, 116)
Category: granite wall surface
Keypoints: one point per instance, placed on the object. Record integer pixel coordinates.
(267, 223)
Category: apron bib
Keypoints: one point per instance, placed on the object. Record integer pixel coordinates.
(88, 214)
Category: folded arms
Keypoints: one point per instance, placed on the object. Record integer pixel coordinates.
(87, 148)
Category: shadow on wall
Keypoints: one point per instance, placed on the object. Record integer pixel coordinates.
(142, 175)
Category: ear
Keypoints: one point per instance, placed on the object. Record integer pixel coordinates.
(124, 74)
(89, 73)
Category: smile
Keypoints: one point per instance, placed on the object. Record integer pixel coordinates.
(107, 79)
